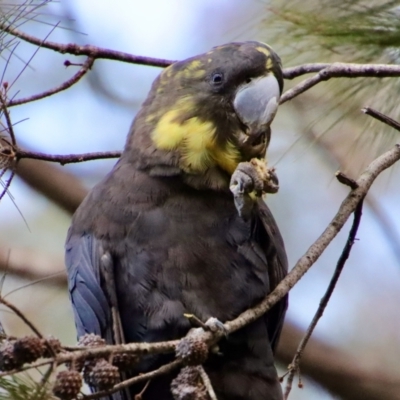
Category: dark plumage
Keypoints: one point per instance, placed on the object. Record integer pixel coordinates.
(165, 233)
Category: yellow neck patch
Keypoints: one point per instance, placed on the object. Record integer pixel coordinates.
(195, 140)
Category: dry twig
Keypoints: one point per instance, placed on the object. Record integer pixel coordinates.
(86, 66)
(21, 315)
(335, 70)
(347, 207)
(66, 158)
(381, 117)
(88, 50)
(137, 379)
(207, 383)
(294, 366)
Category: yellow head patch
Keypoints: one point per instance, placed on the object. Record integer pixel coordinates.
(194, 139)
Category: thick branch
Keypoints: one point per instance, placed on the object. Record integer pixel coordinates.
(311, 256)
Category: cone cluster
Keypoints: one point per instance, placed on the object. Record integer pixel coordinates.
(15, 353)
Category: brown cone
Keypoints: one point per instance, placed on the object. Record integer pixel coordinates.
(103, 375)
(192, 351)
(54, 343)
(91, 340)
(67, 385)
(7, 357)
(28, 349)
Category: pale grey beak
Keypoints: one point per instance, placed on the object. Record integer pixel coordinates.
(256, 103)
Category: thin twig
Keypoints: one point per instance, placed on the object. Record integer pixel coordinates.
(139, 396)
(137, 379)
(301, 87)
(381, 117)
(42, 386)
(25, 367)
(197, 321)
(347, 207)
(10, 129)
(294, 366)
(337, 70)
(294, 72)
(21, 315)
(67, 158)
(207, 383)
(34, 54)
(334, 157)
(86, 66)
(7, 186)
(88, 50)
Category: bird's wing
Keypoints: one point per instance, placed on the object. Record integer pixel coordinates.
(91, 308)
(89, 302)
(276, 255)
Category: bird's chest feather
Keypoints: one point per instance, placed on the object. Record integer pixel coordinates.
(190, 253)
(175, 250)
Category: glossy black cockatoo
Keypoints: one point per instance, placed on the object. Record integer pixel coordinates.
(179, 226)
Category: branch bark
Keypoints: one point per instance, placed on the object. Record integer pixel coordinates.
(88, 50)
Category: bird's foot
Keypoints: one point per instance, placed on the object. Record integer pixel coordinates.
(214, 325)
(250, 181)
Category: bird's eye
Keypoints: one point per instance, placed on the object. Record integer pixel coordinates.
(217, 78)
(248, 80)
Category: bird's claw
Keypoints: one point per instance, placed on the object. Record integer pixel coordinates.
(215, 325)
(250, 180)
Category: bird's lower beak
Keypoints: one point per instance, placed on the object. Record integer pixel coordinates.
(256, 104)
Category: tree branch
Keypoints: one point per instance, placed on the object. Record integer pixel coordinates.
(381, 117)
(137, 379)
(88, 50)
(66, 158)
(336, 70)
(294, 366)
(347, 207)
(86, 66)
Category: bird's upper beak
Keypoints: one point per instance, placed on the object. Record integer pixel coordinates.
(256, 104)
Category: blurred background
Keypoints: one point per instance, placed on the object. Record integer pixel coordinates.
(314, 135)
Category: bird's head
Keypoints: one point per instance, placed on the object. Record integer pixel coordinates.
(213, 110)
